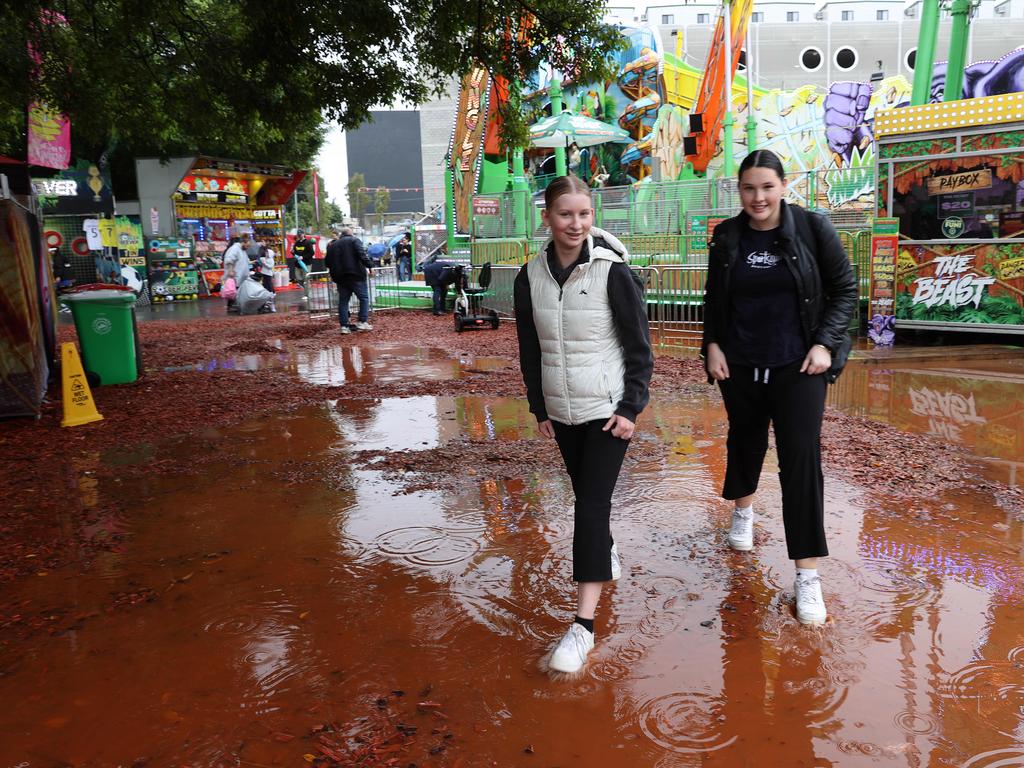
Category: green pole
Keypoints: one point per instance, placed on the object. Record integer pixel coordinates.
(727, 84)
(449, 205)
(925, 59)
(954, 88)
(556, 109)
(751, 122)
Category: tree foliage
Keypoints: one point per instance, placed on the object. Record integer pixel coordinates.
(358, 199)
(253, 79)
(331, 215)
(381, 200)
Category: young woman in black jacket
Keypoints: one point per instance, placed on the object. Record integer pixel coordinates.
(779, 297)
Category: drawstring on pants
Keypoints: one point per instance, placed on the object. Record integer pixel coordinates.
(757, 374)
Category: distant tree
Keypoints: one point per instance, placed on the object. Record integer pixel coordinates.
(381, 203)
(358, 198)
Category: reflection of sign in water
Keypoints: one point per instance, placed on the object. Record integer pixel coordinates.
(960, 182)
(947, 412)
(953, 284)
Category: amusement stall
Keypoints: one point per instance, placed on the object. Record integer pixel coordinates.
(195, 205)
(951, 190)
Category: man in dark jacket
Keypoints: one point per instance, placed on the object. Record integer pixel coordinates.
(303, 250)
(439, 275)
(349, 267)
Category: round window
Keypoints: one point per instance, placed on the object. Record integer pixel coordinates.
(846, 58)
(810, 59)
(911, 59)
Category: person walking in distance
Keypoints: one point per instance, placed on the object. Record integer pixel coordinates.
(350, 267)
(585, 355)
(779, 297)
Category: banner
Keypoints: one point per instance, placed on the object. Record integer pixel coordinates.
(316, 197)
(49, 137)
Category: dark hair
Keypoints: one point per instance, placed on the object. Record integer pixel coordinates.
(564, 185)
(762, 158)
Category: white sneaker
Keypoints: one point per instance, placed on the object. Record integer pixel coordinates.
(346, 329)
(616, 565)
(741, 533)
(364, 327)
(810, 605)
(571, 652)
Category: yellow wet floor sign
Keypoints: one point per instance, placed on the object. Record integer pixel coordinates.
(79, 407)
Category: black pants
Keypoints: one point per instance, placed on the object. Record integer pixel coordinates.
(593, 459)
(793, 403)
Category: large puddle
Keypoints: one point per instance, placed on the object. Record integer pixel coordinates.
(256, 600)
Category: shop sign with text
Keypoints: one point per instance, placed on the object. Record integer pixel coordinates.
(960, 182)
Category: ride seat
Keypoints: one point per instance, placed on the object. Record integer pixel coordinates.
(483, 281)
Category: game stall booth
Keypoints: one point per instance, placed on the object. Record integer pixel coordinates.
(948, 245)
(196, 204)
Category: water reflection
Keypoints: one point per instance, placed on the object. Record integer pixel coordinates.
(978, 409)
(287, 593)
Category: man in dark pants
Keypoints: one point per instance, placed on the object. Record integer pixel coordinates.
(302, 250)
(403, 257)
(349, 267)
(439, 275)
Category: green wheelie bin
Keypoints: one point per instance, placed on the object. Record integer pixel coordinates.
(105, 321)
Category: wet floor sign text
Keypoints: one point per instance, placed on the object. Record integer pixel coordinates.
(79, 407)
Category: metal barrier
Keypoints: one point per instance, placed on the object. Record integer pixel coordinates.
(679, 310)
(500, 293)
(322, 293)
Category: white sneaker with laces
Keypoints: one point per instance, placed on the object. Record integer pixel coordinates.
(364, 327)
(810, 605)
(616, 564)
(346, 329)
(741, 533)
(571, 652)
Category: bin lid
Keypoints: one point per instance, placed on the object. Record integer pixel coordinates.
(101, 294)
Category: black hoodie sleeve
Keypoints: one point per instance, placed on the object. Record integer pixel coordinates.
(629, 309)
(529, 345)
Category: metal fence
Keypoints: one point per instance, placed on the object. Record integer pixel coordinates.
(322, 293)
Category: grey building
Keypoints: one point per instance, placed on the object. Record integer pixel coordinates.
(387, 151)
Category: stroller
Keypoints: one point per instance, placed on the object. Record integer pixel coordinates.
(468, 312)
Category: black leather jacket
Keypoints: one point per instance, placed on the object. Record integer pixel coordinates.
(825, 283)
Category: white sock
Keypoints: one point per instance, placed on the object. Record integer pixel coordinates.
(806, 573)
(745, 511)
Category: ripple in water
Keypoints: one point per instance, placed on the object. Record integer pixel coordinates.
(915, 722)
(991, 691)
(609, 670)
(685, 723)
(427, 546)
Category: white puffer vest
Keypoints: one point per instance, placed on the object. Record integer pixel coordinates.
(582, 363)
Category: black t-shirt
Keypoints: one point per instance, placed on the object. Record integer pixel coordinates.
(765, 329)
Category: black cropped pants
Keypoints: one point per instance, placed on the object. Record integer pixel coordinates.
(593, 459)
(793, 403)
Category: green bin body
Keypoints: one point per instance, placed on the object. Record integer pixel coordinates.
(105, 321)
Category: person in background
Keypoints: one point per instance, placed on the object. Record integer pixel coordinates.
(585, 354)
(778, 300)
(301, 262)
(236, 264)
(265, 267)
(403, 257)
(63, 272)
(252, 250)
(439, 275)
(350, 268)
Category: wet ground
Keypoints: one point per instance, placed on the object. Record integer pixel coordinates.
(373, 579)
